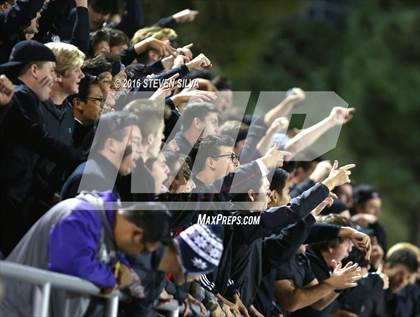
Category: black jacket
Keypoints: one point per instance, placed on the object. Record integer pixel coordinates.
(98, 174)
(24, 140)
(13, 21)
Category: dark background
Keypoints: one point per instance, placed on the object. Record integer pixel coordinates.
(368, 52)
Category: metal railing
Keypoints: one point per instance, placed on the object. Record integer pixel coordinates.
(47, 279)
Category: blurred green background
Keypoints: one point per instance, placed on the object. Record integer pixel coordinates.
(368, 52)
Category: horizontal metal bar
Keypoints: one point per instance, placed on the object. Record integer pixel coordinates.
(38, 276)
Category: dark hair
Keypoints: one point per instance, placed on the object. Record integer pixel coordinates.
(150, 116)
(405, 257)
(111, 126)
(101, 35)
(209, 147)
(84, 87)
(97, 65)
(337, 207)
(196, 110)
(332, 219)
(363, 193)
(117, 37)
(235, 129)
(279, 180)
(222, 83)
(152, 217)
(105, 6)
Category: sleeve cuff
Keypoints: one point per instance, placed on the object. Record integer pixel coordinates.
(264, 170)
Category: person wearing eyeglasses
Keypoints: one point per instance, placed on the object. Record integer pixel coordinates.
(87, 107)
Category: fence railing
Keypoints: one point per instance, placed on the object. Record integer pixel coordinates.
(47, 279)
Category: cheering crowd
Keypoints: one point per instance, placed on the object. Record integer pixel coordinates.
(125, 162)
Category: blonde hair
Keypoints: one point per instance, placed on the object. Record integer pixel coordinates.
(403, 246)
(67, 56)
(154, 31)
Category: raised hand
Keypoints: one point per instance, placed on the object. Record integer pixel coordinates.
(362, 241)
(295, 95)
(338, 176)
(278, 125)
(274, 157)
(185, 15)
(187, 95)
(327, 202)
(344, 277)
(199, 62)
(341, 115)
(186, 51)
(162, 47)
(321, 171)
(166, 89)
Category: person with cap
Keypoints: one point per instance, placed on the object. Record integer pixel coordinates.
(367, 206)
(89, 237)
(23, 136)
(195, 251)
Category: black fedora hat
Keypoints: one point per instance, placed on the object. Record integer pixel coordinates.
(26, 52)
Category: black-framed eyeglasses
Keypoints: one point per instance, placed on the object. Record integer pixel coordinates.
(233, 157)
(101, 100)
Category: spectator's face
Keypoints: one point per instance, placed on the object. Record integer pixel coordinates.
(371, 207)
(101, 48)
(119, 48)
(341, 251)
(128, 162)
(5, 6)
(129, 238)
(263, 195)
(105, 81)
(155, 141)
(346, 194)
(91, 108)
(70, 82)
(118, 81)
(137, 144)
(45, 79)
(96, 19)
(223, 164)
(210, 124)
(159, 171)
(399, 276)
(224, 100)
(283, 198)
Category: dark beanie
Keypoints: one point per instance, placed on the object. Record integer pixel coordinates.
(200, 248)
(364, 193)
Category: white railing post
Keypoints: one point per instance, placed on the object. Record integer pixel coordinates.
(112, 306)
(41, 300)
